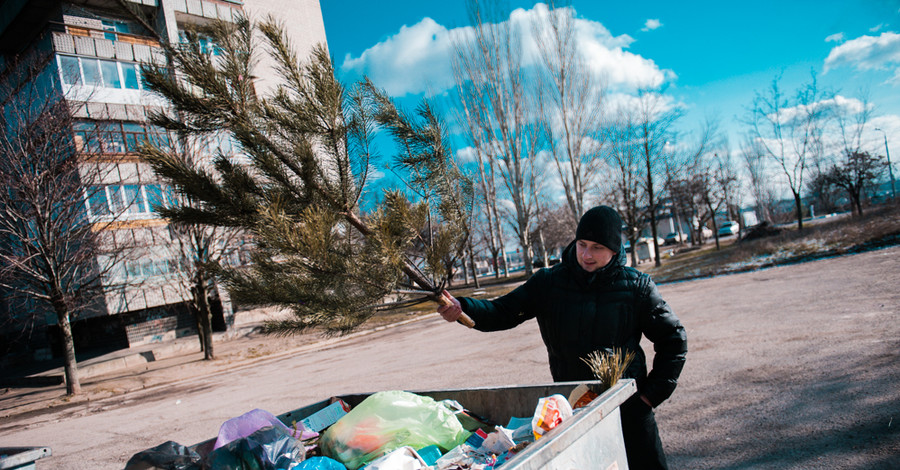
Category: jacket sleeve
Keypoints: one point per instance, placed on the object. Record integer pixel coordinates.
(504, 312)
(660, 325)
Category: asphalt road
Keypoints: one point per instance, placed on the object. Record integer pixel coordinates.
(790, 367)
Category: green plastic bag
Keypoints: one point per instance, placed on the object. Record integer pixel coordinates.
(386, 421)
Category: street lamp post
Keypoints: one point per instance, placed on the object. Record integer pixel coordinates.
(887, 155)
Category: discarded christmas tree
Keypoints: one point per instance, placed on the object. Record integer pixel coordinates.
(308, 158)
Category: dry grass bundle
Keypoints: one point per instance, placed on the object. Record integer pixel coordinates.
(607, 366)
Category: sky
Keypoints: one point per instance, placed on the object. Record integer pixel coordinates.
(710, 57)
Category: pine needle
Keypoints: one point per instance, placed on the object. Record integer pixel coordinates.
(608, 367)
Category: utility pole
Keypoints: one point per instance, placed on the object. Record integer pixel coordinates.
(887, 155)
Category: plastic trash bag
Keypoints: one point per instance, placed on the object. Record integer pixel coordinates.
(320, 463)
(549, 413)
(166, 456)
(386, 421)
(251, 421)
(269, 448)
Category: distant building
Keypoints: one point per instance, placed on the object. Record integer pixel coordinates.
(97, 47)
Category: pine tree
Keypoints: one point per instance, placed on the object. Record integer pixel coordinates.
(309, 160)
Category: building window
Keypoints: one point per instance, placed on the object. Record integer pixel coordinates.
(98, 203)
(111, 27)
(115, 137)
(90, 68)
(70, 70)
(99, 72)
(207, 46)
(128, 201)
(150, 268)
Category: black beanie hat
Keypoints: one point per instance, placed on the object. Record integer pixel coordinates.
(602, 225)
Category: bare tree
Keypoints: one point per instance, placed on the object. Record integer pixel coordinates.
(51, 251)
(854, 173)
(199, 248)
(624, 159)
(760, 184)
(488, 226)
(728, 183)
(789, 132)
(570, 103)
(498, 104)
(654, 122)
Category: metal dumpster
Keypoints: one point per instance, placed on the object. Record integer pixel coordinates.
(21, 458)
(591, 439)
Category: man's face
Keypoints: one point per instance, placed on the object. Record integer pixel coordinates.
(592, 256)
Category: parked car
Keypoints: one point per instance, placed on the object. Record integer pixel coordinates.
(729, 228)
(674, 237)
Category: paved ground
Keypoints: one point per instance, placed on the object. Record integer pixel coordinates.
(791, 367)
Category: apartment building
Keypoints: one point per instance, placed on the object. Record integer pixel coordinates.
(97, 47)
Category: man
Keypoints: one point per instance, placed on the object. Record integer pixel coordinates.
(592, 302)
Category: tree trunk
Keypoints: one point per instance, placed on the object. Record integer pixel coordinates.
(715, 226)
(799, 205)
(495, 258)
(472, 263)
(633, 242)
(653, 233)
(73, 384)
(856, 201)
(204, 318)
(544, 255)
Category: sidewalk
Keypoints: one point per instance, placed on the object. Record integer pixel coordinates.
(127, 358)
(160, 364)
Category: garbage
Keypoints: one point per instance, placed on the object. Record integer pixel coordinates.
(403, 458)
(251, 421)
(268, 448)
(550, 412)
(430, 454)
(386, 421)
(582, 396)
(169, 455)
(326, 416)
(392, 430)
(320, 463)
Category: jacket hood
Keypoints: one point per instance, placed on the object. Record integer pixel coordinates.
(570, 262)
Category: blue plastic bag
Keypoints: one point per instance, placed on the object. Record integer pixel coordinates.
(320, 463)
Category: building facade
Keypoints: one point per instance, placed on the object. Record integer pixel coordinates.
(97, 47)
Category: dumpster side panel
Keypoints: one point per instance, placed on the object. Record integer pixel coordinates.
(592, 438)
(598, 447)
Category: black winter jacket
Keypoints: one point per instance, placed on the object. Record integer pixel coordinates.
(580, 312)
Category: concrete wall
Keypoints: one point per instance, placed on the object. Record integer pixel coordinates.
(303, 23)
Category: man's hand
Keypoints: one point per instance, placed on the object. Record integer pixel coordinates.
(451, 311)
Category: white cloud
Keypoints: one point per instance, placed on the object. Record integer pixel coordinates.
(890, 124)
(875, 29)
(417, 58)
(868, 53)
(837, 104)
(836, 37)
(651, 24)
(412, 61)
(466, 155)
